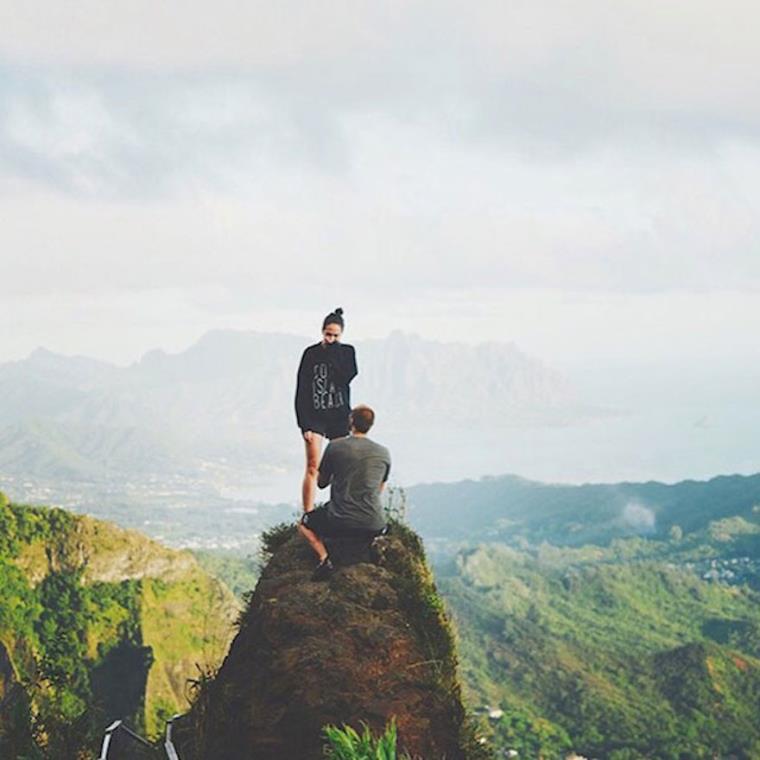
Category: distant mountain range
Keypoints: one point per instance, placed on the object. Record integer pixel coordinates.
(514, 510)
(227, 401)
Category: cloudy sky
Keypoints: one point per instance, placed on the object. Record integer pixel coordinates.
(579, 176)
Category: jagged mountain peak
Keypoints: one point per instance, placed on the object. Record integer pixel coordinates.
(230, 395)
(42, 357)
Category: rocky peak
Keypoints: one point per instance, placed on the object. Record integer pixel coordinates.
(370, 645)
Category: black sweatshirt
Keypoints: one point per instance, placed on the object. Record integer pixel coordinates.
(323, 390)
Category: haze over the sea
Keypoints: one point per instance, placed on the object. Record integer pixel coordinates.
(580, 179)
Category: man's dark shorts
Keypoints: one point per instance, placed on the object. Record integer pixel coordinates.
(318, 521)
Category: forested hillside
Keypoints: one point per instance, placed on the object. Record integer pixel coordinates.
(641, 649)
(96, 623)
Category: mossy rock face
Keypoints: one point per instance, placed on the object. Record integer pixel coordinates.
(370, 644)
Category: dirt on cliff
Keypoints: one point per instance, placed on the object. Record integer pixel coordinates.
(371, 644)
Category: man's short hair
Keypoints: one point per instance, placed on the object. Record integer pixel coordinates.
(362, 418)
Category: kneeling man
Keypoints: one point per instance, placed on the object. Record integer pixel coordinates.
(356, 469)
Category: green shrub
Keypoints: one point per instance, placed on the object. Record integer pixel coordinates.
(347, 744)
(275, 537)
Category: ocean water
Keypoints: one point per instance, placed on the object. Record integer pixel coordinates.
(660, 445)
(656, 444)
(659, 423)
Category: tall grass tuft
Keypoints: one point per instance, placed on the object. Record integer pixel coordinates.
(347, 744)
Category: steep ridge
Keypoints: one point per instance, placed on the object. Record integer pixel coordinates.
(97, 623)
(371, 644)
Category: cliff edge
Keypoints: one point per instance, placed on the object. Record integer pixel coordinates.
(371, 644)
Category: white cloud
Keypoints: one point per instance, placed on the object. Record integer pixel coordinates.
(411, 211)
(482, 158)
(638, 516)
(629, 55)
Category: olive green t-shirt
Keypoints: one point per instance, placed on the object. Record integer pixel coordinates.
(355, 467)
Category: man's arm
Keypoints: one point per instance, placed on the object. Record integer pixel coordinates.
(387, 473)
(325, 468)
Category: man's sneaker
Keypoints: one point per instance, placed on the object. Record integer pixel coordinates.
(324, 570)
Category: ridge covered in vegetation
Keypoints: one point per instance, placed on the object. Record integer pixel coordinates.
(96, 623)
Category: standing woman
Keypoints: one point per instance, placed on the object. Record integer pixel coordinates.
(323, 400)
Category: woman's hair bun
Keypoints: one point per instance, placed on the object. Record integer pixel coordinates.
(334, 318)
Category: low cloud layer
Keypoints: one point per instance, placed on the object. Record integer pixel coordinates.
(256, 157)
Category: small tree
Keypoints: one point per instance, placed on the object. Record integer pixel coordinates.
(395, 504)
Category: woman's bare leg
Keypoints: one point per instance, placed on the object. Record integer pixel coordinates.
(309, 487)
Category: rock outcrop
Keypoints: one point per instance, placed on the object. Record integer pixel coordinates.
(371, 644)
